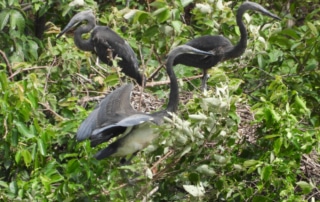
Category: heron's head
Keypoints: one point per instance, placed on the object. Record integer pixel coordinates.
(78, 18)
(248, 5)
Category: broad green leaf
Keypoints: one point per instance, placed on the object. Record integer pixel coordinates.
(177, 26)
(4, 18)
(158, 4)
(56, 178)
(205, 169)
(33, 49)
(277, 145)
(313, 28)
(42, 147)
(220, 159)
(186, 150)
(305, 186)
(17, 157)
(26, 157)
(266, 172)
(22, 128)
(162, 14)
(290, 33)
(302, 104)
(151, 31)
(17, 20)
(250, 163)
(4, 184)
(195, 191)
(13, 187)
(141, 17)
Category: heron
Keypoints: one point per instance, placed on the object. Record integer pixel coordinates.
(221, 47)
(115, 116)
(105, 43)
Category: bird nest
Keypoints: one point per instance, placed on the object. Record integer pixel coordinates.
(246, 129)
(146, 102)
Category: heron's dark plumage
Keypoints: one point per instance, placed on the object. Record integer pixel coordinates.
(220, 46)
(106, 43)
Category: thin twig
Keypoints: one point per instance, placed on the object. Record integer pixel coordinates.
(88, 99)
(161, 159)
(26, 69)
(158, 83)
(155, 72)
(48, 75)
(154, 190)
(3, 54)
(48, 108)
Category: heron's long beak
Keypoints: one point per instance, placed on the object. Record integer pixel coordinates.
(70, 25)
(200, 52)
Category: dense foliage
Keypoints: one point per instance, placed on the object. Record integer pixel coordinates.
(48, 88)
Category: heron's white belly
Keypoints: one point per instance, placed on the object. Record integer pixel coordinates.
(137, 140)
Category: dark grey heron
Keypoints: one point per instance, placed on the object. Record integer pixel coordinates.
(115, 116)
(219, 45)
(105, 43)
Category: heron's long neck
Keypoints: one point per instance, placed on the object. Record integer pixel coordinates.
(84, 44)
(174, 89)
(241, 46)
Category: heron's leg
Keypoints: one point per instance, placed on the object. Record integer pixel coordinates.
(204, 80)
(127, 3)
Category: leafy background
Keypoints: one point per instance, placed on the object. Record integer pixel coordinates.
(253, 137)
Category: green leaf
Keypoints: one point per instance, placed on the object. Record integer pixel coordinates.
(177, 26)
(277, 145)
(250, 163)
(205, 169)
(17, 157)
(4, 184)
(302, 104)
(195, 191)
(22, 128)
(151, 31)
(266, 172)
(4, 18)
(42, 147)
(305, 186)
(33, 49)
(313, 28)
(141, 17)
(17, 20)
(158, 4)
(26, 157)
(162, 14)
(13, 187)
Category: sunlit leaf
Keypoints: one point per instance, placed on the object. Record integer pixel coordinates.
(17, 20)
(23, 129)
(195, 191)
(313, 29)
(305, 186)
(26, 157)
(4, 18)
(42, 147)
